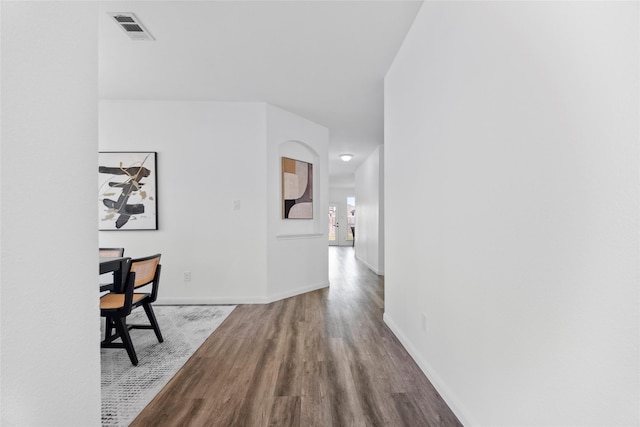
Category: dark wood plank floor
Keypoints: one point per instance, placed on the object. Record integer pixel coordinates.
(324, 358)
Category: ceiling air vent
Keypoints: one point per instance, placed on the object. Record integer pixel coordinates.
(131, 25)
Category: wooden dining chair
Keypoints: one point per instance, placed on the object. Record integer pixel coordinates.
(115, 307)
(147, 273)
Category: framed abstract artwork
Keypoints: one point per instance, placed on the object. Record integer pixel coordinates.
(297, 189)
(127, 189)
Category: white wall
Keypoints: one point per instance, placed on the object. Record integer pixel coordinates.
(50, 361)
(511, 153)
(369, 242)
(209, 154)
(297, 248)
(339, 194)
(1, 222)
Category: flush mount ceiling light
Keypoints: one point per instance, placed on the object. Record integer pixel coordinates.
(131, 25)
(346, 157)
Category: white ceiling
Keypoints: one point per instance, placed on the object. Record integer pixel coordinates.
(322, 60)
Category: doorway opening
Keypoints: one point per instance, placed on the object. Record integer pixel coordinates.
(333, 225)
(342, 222)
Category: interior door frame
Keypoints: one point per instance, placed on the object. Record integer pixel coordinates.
(337, 239)
(341, 227)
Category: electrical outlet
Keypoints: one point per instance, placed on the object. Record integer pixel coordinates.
(187, 276)
(423, 322)
(236, 205)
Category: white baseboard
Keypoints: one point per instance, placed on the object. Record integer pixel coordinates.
(369, 266)
(240, 300)
(209, 301)
(449, 397)
(297, 291)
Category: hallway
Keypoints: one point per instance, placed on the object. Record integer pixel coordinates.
(324, 358)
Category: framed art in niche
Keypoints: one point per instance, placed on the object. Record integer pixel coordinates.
(127, 190)
(297, 189)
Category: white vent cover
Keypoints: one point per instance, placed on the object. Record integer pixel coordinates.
(131, 25)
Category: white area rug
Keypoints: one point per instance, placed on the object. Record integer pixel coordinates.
(127, 389)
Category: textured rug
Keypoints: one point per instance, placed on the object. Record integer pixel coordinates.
(127, 389)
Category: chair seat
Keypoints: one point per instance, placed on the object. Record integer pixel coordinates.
(113, 301)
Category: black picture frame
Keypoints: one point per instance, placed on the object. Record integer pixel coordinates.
(127, 190)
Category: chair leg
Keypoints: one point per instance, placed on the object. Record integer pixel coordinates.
(108, 328)
(153, 321)
(123, 331)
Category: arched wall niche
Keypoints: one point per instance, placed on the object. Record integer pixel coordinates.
(297, 258)
(300, 150)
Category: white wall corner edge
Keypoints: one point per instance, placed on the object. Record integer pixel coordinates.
(449, 397)
(369, 266)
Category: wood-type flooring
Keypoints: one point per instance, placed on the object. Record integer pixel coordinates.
(324, 358)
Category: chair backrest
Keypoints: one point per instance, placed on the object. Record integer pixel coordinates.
(128, 289)
(147, 271)
(111, 252)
